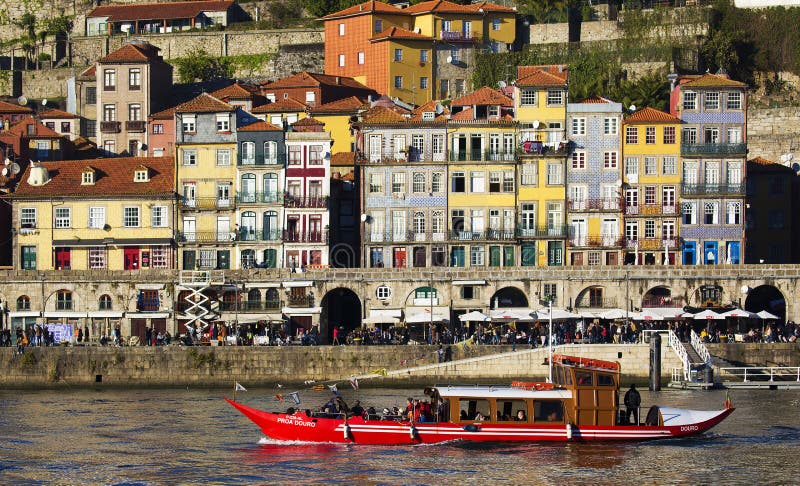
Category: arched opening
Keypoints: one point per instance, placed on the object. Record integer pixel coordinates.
(594, 297)
(766, 298)
(341, 308)
(105, 302)
(508, 297)
(661, 297)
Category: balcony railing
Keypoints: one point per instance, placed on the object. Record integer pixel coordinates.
(403, 236)
(713, 148)
(609, 241)
(205, 237)
(252, 234)
(305, 236)
(259, 198)
(487, 235)
(314, 202)
(110, 126)
(711, 189)
(260, 161)
(595, 302)
(250, 305)
(598, 204)
(304, 301)
(147, 305)
(482, 156)
(401, 157)
(652, 243)
(450, 35)
(135, 126)
(662, 302)
(206, 203)
(542, 232)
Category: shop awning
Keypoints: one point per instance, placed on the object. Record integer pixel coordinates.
(383, 316)
(147, 315)
(512, 314)
(469, 282)
(260, 317)
(24, 314)
(82, 242)
(105, 314)
(301, 311)
(262, 285)
(64, 314)
(417, 315)
(297, 283)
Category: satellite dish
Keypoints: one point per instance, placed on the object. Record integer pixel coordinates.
(363, 218)
(535, 123)
(449, 59)
(15, 168)
(502, 84)
(327, 156)
(44, 102)
(745, 289)
(4, 171)
(632, 108)
(439, 108)
(22, 100)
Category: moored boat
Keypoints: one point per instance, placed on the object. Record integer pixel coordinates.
(581, 404)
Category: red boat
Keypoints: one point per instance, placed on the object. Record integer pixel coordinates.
(580, 405)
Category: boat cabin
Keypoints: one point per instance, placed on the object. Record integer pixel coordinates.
(583, 392)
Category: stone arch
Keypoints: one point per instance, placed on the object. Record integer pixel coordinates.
(340, 307)
(509, 297)
(766, 297)
(661, 296)
(593, 296)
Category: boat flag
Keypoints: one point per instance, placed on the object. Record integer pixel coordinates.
(240, 387)
(334, 389)
(467, 344)
(513, 325)
(318, 387)
(295, 398)
(354, 383)
(728, 403)
(379, 371)
(279, 397)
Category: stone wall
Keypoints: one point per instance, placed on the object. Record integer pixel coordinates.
(772, 132)
(755, 354)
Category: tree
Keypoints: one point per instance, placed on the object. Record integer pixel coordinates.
(200, 66)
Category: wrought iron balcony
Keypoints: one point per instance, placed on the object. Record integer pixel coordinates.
(250, 305)
(147, 305)
(304, 301)
(261, 161)
(135, 126)
(595, 302)
(205, 237)
(713, 149)
(206, 203)
(110, 126)
(596, 204)
(662, 302)
(252, 234)
(559, 231)
(313, 202)
(450, 35)
(608, 241)
(305, 236)
(259, 198)
(711, 189)
(482, 156)
(652, 210)
(403, 236)
(485, 235)
(652, 243)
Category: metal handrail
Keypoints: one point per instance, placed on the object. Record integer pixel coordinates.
(700, 347)
(759, 372)
(677, 346)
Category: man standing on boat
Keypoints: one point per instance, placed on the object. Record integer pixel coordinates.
(632, 402)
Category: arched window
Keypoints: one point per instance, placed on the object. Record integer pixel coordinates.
(425, 293)
(419, 223)
(270, 153)
(248, 153)
(272, 299)
(248, 189)
(270, 226)
(105, 302)
(23, 303)
(63, 300)
(247, 228)
(270, 258)
(253, 299)
(271, 188)
(419, 182)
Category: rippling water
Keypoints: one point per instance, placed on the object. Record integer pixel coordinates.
(191, 436)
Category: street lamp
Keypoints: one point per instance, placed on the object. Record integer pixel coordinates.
(549, 304)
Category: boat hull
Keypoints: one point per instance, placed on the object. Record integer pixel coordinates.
(356, 430)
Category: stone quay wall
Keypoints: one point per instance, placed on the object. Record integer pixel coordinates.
(266, 366)
(772, 132)
(756, 354)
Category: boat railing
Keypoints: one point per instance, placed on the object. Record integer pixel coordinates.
(340, 416)
(764, 373)
(647, 334)
(677, 346)
(700, 348)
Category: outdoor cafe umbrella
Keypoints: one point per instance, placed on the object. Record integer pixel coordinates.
(707, 315)
(738, 313)
(648, 315)
(474, 316)
(543, 314)
(765, 315)
(612, 314)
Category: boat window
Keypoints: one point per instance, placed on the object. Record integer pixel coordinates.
(583, 378)
(509, 410)
(604, 379)
(559, 375)
(567, 376)
(472, 409)
(548, 411)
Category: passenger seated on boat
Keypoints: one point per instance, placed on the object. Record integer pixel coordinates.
(521, 417)
(479, 417)
(464, 415)
(554, 416)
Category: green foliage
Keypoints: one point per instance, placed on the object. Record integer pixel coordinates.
(320, 8)
(545, 11)
(283, 12)
(200, 66)
(650, 90)
(250, 64)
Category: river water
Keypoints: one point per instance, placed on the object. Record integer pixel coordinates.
(191, 436)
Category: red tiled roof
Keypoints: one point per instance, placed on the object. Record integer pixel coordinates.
(259, 126)
(306, 79)
(6, 107)
(548, 75)
(596, 99)
(440, 6)
(483, 96)
(761, 161)
(281, 106)
(205, 103)
(167, 114)
(308, 122)
(133, 53)
(399, 33)
(365, 8)
(155, 11)
(20, 129)
(57, 114)
(492, 7)
(343, 159)
(429, 106)
(345, 105)
(381, 114)
(90, 71)
(651, 115)
(760, 165)
(709, 80)
(235, 91)
(113, 177)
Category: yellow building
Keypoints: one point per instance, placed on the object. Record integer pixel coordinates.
(336, 116)
(281, 113)
(482, 197)
(651, 178)
(540, 102)
(205, 179)
(98, 214)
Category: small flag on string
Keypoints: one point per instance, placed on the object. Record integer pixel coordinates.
(279, 397)
(239, 387)
(379, 371)
(354, 383)
(334, 389)
(404, 362)
(295, 398)
(318, 387)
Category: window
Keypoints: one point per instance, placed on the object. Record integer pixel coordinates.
(159, 256)
(649, 229)
(271, 152)
(423, 55)
(23, 303)
(223, 122)
(189, 157)
(63, 300)
(376, 183)
(555, 97)
(419, 222)
(398, 82)
(398, 54)
(109, 112)
(549, 292)
(669, 166)
(398, 182)
(28, 257)
(610, 160)
(248, 153)
(529, 174)
(63, 218)
(188, 123)
(98, 259)
(711, 135)
(315, 155)
(689, 100)
(27, 218)
(734, 173)
(379, 26)
(341, 60)
(711, 215)
(527, 97)
(631, 167)
(134, 79)
(437, 222)
(668, 230)
(712, 100)
(578, 160)
(207, 258)
(223, 157)
(311, 98)
(689, 135)
(689, 213)
(423, 83)
(733, 213)
(650, 135)
(109, 147)
(508, 181)
(158, 217)
(631, 230)
(109, 80)
(650, 165)
(495, 24)
(495, 181)
(65, 127)
(458, 182)
(341, 29)
(360, 57)
(579, 126)
(295, 155)
(91, 95)
(383, 292)
(669, 135)
(476, 256)
(734, 101)
(158, 128)
(594, 258)
(477, 181)
(554, 176)
(455, 54)
(418, 182)
(436, 182)
(650, 195)
(105, 302)
(130, 217)
(97, 217)
(610, 126)
(631, 135)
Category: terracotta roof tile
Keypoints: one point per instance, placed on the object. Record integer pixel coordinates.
(429, 106)
(91, 71)
(287, 105)
(761, 161)
(364, 9)
(399, 33)
(713, 81)
(114, 177)
(155, 11)
(343, 159)
(345, 105)
(6, 107)
(307, 79)
(440, 6)
(167, 114)
(259, 126)
(132, 53)
(308, 122)
(547, 75)
(20, 129)
(235, 91)
(492, 7)
(483, 96)
(651, 115)
(382, 114)
(596, 99)
(57, 114)
(205, 103)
